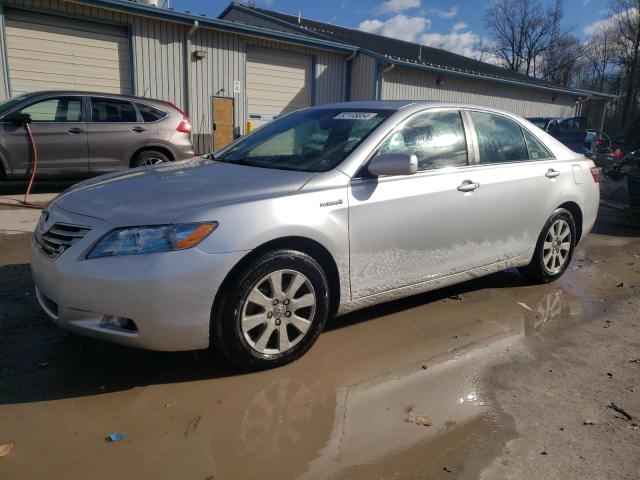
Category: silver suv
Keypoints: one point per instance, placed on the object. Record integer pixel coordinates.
(81, 134)
(321, 212)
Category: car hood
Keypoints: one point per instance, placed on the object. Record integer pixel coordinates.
(161, 194)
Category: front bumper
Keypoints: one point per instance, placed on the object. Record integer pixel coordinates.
(168, 295)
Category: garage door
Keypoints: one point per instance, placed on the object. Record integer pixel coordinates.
(51, 52)
(278, 82)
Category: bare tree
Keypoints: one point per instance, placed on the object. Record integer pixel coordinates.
(626, 18)
(521, 31)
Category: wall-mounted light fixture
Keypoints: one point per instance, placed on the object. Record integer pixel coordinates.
(439, 81)
(554, 98)
(199, 54)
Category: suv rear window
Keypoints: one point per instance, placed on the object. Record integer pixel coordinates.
(149, 113)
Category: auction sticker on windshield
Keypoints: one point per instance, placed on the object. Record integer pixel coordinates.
(355, 116)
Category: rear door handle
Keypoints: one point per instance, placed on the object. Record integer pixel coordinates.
(468, 186)
(138, 129)
(76, 130)
(551, 173)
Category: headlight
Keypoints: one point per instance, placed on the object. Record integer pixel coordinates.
(161, 238)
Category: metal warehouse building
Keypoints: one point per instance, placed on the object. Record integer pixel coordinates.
(248, 65)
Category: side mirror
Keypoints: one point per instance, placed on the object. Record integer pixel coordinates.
(400, 163)
(20, 119)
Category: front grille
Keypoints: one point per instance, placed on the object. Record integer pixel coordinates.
(59, 237)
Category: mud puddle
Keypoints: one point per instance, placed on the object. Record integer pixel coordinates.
(340, 412)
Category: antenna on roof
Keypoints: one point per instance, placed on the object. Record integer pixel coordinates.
(299, 16)
(420, 53)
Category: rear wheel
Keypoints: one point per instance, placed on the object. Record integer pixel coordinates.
(149, 158)
(554, 248)
(272, 312)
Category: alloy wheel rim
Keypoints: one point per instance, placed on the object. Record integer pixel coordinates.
(278, 312)
(556, 247)
(152, 161)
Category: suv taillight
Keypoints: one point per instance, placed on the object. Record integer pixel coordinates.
(184, 126)
(596, 173)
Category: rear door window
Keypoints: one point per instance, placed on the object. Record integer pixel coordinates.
(149, 113)
(537, 151)
(500, 140)
(111, 110)
(58, 109)
(436, 138)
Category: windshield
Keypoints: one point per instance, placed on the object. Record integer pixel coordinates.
(313, 140)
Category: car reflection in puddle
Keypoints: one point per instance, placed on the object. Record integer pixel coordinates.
(329, 424)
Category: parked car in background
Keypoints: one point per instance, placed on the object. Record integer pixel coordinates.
(81, 134)
(543, 122)
(320, 212)
(572, 132)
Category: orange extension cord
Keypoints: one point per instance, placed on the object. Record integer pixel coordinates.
(25, 201)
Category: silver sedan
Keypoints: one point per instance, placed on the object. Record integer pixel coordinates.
(321, 212)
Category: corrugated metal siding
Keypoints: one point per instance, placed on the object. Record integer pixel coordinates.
(158, 46)
(407, 84)
(363, 73)
(225, 63)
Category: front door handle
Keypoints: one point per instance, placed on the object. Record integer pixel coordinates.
(76, 130)
(551, 173)
(468, 186)
(138, 129)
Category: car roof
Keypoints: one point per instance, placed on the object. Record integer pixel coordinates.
(413, 105)
(44, 93)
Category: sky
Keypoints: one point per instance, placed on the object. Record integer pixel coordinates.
(455, 25)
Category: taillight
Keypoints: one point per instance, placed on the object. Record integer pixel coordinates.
(596, 173)
(184, 126)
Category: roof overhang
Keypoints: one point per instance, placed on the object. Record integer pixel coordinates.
(135, 8)
(487, 78)
(431, 68)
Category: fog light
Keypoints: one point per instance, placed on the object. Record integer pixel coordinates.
(118, 323)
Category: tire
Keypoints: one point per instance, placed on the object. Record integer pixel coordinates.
(253, 331)
(148, 158)
(553, 252)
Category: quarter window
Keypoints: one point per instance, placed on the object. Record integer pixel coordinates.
(436, 138)
(59, 109)
(111, 110)
(537, 151)
(500, 140)
(149, 113)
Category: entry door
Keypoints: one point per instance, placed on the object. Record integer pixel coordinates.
(222, 122)
(404, 230)
(60, 135)
(116, 131)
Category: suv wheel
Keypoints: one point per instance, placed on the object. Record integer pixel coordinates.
(272, 312)
(149, 158)
(554, 248)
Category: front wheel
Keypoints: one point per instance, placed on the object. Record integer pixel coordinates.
(554, 248)
(272, 311)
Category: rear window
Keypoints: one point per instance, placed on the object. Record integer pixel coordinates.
(150, 114)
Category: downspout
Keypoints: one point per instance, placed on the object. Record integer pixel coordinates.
(187, 64)
(347, 81)
(388, 68)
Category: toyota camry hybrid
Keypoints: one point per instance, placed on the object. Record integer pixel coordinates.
(324, 211)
